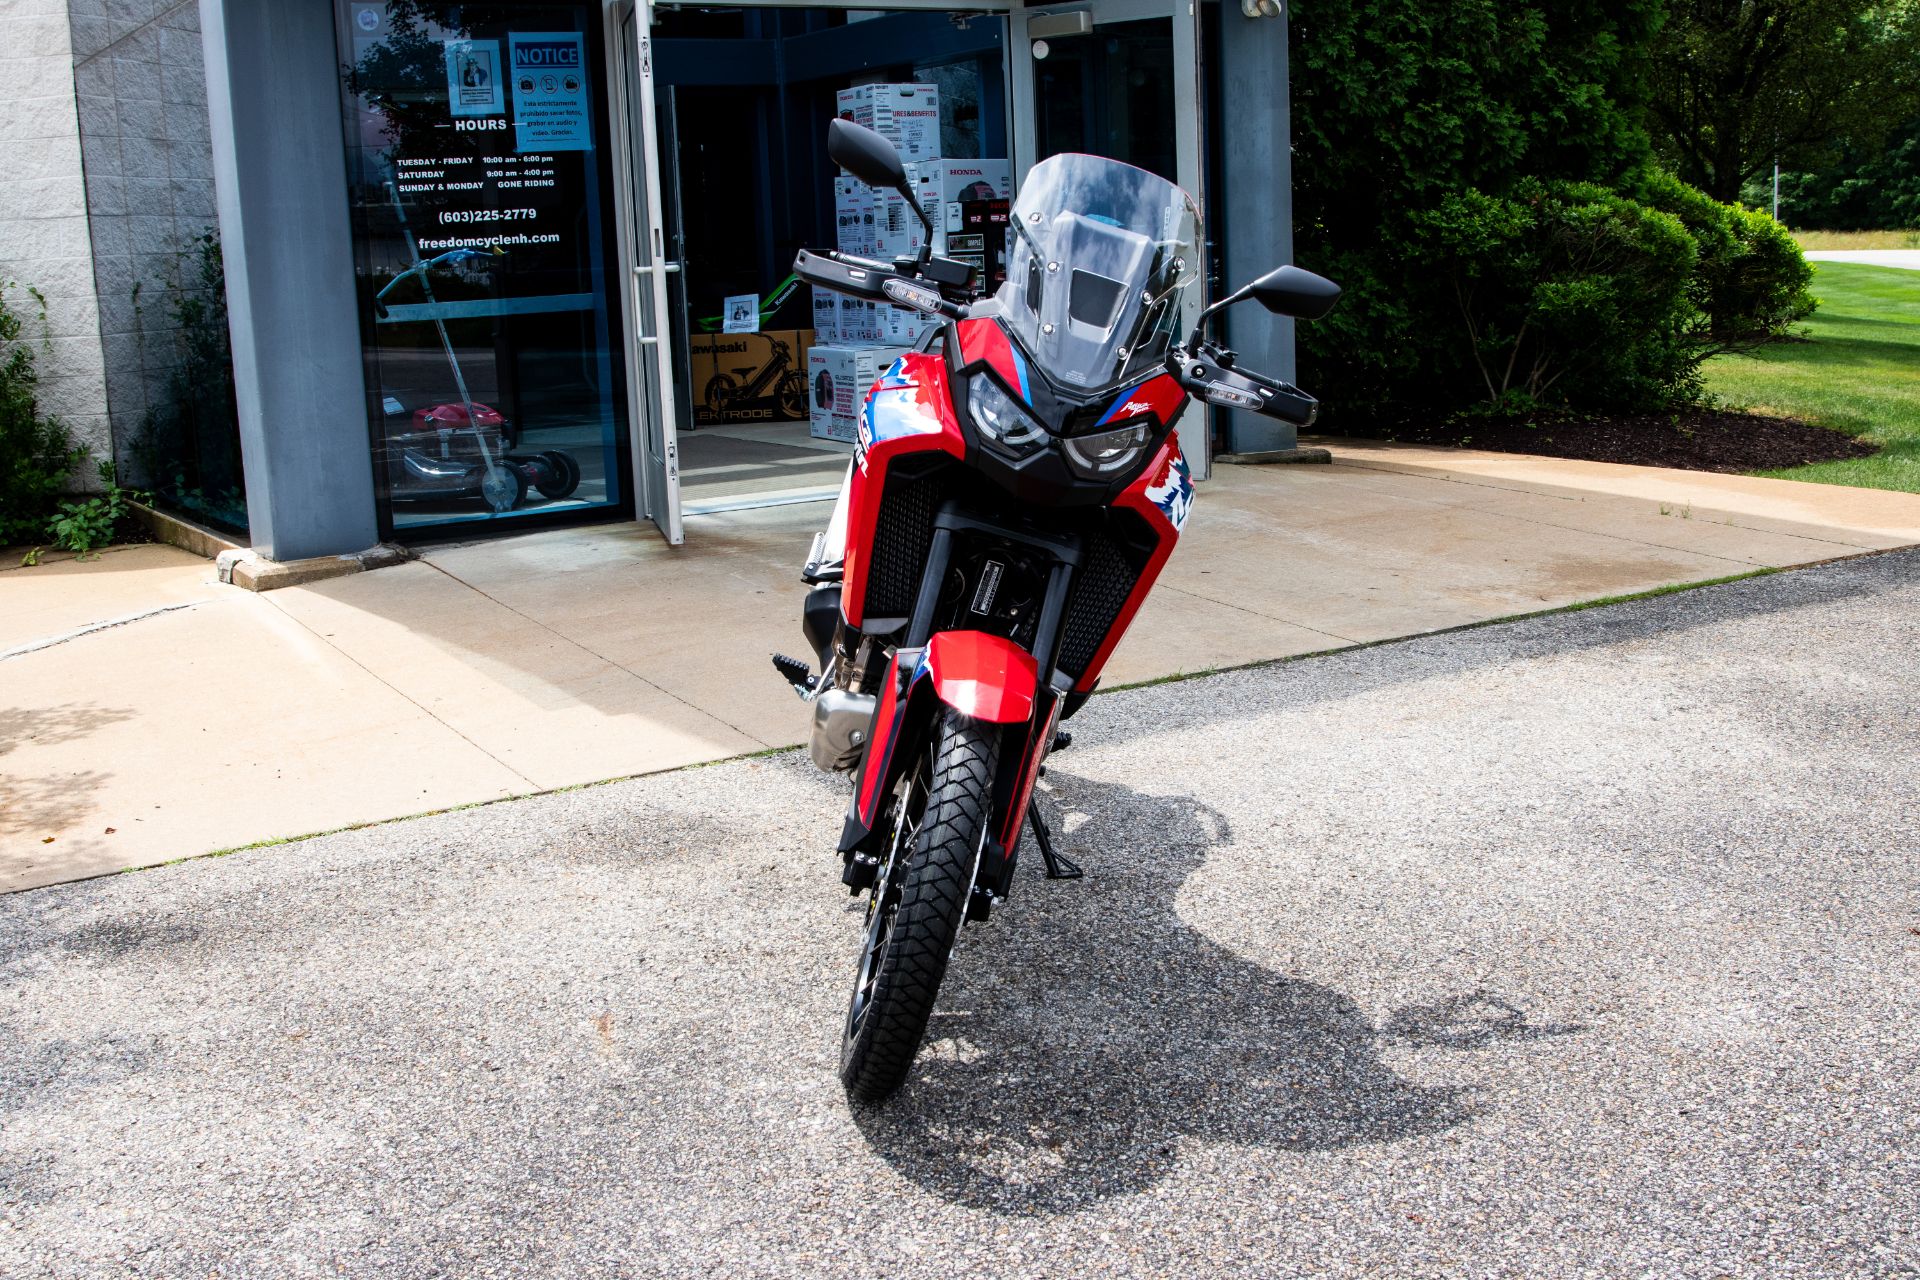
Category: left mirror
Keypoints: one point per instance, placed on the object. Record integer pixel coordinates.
(1291, 291)
(866, 155)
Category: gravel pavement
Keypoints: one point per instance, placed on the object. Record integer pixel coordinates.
(1585, 945)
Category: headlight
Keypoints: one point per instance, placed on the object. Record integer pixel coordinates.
(1109, 451)
(1002, 422)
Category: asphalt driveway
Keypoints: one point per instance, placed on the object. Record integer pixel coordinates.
(1585, 945)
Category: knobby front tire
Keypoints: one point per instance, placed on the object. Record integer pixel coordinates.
(917, 911)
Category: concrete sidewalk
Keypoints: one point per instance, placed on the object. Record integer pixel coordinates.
(1909, 259)
(216, 717)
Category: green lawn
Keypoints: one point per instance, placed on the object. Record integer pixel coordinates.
(1860, 374)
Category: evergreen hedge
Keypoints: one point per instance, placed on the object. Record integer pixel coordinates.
(1475, 175)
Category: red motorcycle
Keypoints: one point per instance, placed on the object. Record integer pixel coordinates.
(1016, 487)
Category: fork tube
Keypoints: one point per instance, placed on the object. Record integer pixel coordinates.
(920, 629)
(1053, 611)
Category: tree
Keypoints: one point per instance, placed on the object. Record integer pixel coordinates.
(1398, 105)
(1477, 176)
(1861, 191)
(1736, 84)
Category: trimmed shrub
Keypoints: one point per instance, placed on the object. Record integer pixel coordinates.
(1563, 292)
(1474, 174)
(1397, 107)
(1751, 285)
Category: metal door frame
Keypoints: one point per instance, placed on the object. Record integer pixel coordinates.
(643, 262)
(1189, 139)
(643, 269)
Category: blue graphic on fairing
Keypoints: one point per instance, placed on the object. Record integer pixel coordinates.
(1173, 491)
(1020, 370)
(895, 407)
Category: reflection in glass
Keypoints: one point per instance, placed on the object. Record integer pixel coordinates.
(477, 180)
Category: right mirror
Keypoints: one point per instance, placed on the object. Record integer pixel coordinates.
(1292, 291)
(866, 155)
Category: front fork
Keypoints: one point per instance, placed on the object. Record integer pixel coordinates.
(904, 718)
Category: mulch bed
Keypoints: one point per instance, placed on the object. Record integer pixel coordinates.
(1693, 440)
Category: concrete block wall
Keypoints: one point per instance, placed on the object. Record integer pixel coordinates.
(139, 75)
(44, 237)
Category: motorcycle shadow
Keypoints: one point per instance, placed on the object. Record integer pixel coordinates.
(1089, 1032)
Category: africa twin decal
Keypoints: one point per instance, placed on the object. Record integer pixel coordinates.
(1172, 489)
(900, 404)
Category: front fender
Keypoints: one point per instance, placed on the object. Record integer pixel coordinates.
(984, 676)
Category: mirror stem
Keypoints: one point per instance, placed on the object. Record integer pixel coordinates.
(926, 244)
(1200, 326)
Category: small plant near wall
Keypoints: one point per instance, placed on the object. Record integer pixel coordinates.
(37, 454)
(91, 523)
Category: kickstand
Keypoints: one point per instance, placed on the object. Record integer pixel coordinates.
(1058, 868)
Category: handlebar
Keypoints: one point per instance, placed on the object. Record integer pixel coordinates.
(930, 286)
(1211, 375)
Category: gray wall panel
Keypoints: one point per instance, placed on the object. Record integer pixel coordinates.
(273, 96)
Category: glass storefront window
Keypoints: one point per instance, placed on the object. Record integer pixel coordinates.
(483, 247)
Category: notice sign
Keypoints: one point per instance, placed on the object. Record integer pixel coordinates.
(473, 78)
(550, 107)
(741, 314)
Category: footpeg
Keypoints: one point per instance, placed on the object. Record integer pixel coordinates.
(796, 673)
(1062, 740)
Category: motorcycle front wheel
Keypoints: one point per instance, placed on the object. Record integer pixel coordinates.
(919, 900)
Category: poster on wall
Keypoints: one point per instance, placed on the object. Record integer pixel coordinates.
(550, 104)
(742, 313)
(473, 78)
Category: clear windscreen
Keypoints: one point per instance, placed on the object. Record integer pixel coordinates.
(1098, 256)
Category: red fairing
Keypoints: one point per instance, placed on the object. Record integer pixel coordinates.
(985, 340)
(984, 676)
(1162, 496)
(907, 411)
(886, 724)
(1037, 748)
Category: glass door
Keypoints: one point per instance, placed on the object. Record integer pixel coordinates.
(645, 263)
(479, 166)
(1115, 78)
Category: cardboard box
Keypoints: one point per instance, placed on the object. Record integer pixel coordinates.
(858, 326)
(838, 379)
(853, 217)
(826, 316)
(901, 326)
(756, 369)
(942, 186)
(897, 229)
(907, 115)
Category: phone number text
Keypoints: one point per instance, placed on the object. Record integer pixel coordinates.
(487, 215)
